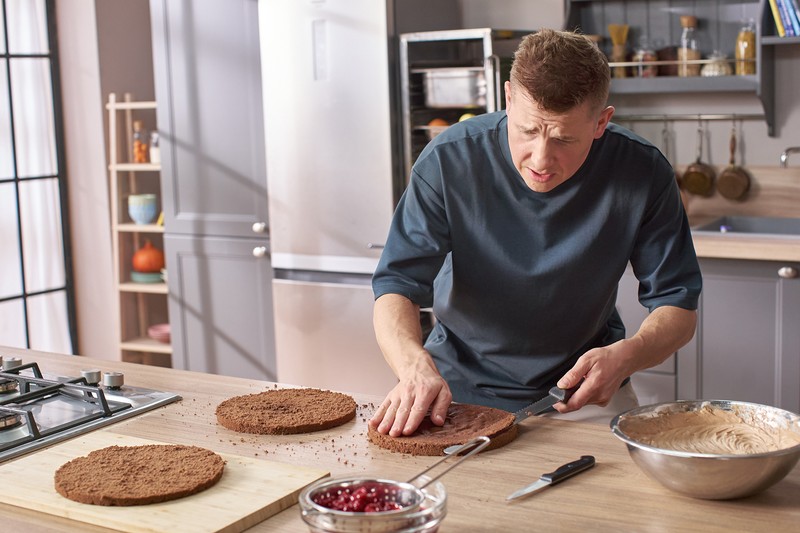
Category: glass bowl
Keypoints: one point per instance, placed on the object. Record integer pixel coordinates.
(420, 510)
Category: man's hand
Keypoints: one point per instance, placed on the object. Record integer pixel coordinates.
(664, 331)
(409, 401)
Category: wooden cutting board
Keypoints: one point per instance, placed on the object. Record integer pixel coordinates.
(250, 491)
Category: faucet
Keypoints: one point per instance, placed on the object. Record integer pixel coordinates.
(785, 155)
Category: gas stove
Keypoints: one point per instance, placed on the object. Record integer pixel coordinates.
(37, 410)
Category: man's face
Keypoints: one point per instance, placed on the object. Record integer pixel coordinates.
(548, 148)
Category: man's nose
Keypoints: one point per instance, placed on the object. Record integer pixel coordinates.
(541, 155)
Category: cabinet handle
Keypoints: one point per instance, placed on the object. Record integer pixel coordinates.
(259, 227)
(374, 246)
(788, 272)
(259, 251)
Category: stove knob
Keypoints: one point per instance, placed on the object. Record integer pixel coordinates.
(113, 380)
(92, 376)
(11, 362)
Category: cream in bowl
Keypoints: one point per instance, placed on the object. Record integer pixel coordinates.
(711, 449)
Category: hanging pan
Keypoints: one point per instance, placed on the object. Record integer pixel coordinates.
(734, 182)
(699, 177)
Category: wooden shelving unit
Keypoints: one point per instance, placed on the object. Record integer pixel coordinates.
(140, 305)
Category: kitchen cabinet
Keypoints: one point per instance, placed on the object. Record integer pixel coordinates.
(748, 342)
(208, 84)
(221, 306)
(657, 384)
(658, 22)
(142, 302)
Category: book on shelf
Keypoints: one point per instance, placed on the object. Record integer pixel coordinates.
(794, 14)
(786, 18)
(776, 17)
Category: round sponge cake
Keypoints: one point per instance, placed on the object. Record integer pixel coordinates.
(138, 475)
(286, 411)
(463, 423)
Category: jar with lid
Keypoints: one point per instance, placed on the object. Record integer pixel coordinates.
(688, 49)
(746, 50)
(644, 55)
(155, 148)
(140, 144)
(718, 65)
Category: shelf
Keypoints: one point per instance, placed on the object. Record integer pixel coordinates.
(769, 40)
(140, 305)
(134, 167)
(130, 227)
(145, 344)
(149, 288)
(674, 84)
(124, 106)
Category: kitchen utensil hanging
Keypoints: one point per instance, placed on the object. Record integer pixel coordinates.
(733, 182)
(699, 177)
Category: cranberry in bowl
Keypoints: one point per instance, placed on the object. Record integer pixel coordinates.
(360, 504)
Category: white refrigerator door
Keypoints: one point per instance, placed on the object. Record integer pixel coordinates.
(325, 71)
(324, 337)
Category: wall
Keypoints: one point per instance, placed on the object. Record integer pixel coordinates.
(116, 35)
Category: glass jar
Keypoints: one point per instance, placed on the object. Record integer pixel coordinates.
(643, 55)
(688, 49)
(718, 65)
(155, 149)
(746, 50)
(140, 144)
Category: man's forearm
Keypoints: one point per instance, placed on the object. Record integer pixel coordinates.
(399, 334)
(662, 333)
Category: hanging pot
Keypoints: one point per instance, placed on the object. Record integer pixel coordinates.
(699, 177)
(734, 181)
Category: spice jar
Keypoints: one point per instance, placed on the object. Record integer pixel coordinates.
(140, 146)
(746, 50)
(688, 49)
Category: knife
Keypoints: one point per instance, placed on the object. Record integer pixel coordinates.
(552, 478)
(553, 397)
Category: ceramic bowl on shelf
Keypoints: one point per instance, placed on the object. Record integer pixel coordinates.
(146, 277)
(159, 332)
(142, 208)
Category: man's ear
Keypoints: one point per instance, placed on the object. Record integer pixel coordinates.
(603, 120)
(507, 88)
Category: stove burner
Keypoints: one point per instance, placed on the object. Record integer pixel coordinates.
(8, 385)
(9, 421)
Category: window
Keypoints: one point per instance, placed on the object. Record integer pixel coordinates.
(36, 296)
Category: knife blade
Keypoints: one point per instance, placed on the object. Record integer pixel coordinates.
(554, 396)
(552, 478)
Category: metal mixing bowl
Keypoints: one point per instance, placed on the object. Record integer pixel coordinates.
(421, 509)
(714, 476)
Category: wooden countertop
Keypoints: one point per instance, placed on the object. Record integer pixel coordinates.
(614, 495)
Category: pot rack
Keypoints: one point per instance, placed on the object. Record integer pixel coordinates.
(701, 117)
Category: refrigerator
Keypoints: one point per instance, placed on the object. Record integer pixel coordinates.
(334, 172)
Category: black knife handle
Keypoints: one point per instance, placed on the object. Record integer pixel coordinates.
(569, 469)
(564, 395)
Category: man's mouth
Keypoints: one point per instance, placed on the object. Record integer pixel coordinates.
(542, 177)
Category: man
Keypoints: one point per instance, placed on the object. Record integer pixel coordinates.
(516, 227)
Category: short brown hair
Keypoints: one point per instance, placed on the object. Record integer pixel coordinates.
(560, 70)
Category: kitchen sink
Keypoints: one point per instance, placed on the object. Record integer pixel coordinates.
(752, 225)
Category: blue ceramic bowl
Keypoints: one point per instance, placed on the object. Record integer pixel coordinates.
(142, 208)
